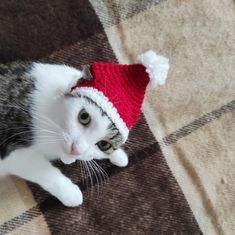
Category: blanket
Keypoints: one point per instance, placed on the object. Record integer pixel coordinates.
(181, 178)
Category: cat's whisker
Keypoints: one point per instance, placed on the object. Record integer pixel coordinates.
(89, 176)
(42, 133)
(19, 142)
(102, 171)
(44, 143)
(48, 131)
(45, 138)
(101, 168)
(40, 139)
(25, 131)
(101, 177)
(38, 131)
(94, 173)
(86, 177)
(47, 119)
(82, 173)
(36, 116)
(39, 117)
(10, 137)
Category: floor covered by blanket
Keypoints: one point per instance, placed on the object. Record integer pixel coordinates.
(181, 177)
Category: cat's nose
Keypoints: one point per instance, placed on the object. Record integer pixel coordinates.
(74, 150)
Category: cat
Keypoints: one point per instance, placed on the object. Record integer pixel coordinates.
(41, 121)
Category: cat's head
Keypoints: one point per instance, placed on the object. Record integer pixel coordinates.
(86, 132)
(89, 132)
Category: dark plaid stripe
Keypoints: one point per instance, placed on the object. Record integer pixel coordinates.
(20, 220)
(95, 48)
(193, 126)
(33, 30)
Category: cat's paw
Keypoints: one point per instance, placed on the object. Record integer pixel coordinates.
(119, 158)
(67, 160)
(72, 196)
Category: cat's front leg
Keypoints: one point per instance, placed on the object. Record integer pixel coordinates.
(32, 166)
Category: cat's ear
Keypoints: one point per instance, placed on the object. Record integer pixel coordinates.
(74, 82)
(84, 75)
(119, 158)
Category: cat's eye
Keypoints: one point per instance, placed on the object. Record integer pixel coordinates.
(104, 145)
(84, 118)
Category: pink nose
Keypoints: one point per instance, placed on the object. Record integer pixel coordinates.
(74, 150)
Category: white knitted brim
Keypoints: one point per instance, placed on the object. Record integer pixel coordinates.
(103, 102)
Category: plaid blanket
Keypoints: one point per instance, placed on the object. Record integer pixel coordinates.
(180, 179)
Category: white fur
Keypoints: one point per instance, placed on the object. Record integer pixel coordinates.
(156, 66)
(119, 158)
(55, 118)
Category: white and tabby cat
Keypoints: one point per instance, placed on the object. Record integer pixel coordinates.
(40, 121)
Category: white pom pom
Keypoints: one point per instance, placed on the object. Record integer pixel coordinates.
(156, 66)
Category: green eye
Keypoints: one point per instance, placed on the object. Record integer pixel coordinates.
(84, 118)
(104, 145)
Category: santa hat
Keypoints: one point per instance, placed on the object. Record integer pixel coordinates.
(119, 89)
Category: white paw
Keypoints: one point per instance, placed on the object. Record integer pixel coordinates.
(119, 158)
(71, 196)
(67, 160)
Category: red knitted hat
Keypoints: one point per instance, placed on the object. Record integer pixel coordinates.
(119, 89)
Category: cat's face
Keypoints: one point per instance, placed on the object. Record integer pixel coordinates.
(88, 132)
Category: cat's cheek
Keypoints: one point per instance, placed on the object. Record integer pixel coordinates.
(66, 143)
